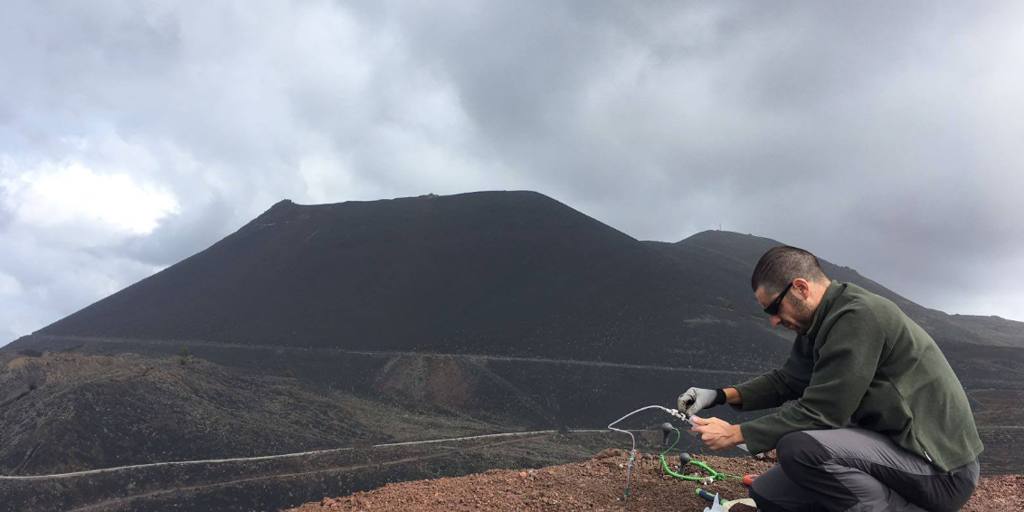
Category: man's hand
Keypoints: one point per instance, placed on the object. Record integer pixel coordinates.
(695, 400)
(718, 434)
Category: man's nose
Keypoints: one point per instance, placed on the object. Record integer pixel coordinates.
(775, 321)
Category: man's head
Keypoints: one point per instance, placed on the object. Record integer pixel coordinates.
(789, 284)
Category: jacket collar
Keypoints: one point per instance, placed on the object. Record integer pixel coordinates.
(834, 290)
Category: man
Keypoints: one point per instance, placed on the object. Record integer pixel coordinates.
(880, 421)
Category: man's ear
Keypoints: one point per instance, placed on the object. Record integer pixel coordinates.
(803, 287)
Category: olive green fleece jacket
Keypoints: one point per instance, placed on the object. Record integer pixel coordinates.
(864, 361)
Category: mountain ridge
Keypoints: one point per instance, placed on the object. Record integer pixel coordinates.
(351, 227)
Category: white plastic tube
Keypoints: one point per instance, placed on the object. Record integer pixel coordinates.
(672, 412)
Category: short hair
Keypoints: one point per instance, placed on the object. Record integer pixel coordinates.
(781, 265)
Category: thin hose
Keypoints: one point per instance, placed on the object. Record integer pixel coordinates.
(714, 475)
(632, 451)
(672, 412)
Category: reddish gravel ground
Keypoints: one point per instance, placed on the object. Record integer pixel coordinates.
(598, 484)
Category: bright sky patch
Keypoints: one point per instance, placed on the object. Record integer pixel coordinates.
(68, 193)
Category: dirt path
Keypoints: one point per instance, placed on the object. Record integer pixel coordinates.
(540, 360)
(598, 484)
(281, 456)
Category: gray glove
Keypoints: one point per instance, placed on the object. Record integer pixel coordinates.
(695, 400)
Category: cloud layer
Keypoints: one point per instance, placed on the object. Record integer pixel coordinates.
(883, 137)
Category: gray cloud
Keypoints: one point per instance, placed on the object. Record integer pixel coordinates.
(6, 215)
(880, 136)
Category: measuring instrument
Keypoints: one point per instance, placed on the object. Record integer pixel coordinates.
(632, 452)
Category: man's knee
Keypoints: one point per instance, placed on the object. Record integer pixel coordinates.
(773, 491)
(764, 504)
(757, 490)
(798, 451)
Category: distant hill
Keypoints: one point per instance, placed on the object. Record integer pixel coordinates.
(498, 273)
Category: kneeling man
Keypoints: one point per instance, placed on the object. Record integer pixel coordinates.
(880, 422)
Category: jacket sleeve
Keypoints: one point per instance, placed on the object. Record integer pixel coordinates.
(779, 385)
(847, 362)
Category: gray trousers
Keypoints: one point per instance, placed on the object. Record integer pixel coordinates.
(857, 470)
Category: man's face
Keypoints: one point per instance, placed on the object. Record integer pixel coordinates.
(795, 313)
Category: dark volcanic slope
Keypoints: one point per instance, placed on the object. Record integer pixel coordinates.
(68, 412)
(490, 273)
(500, 273)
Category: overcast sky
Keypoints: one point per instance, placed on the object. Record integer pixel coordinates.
(882, 136)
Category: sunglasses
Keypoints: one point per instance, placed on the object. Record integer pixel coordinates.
(773, 308)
